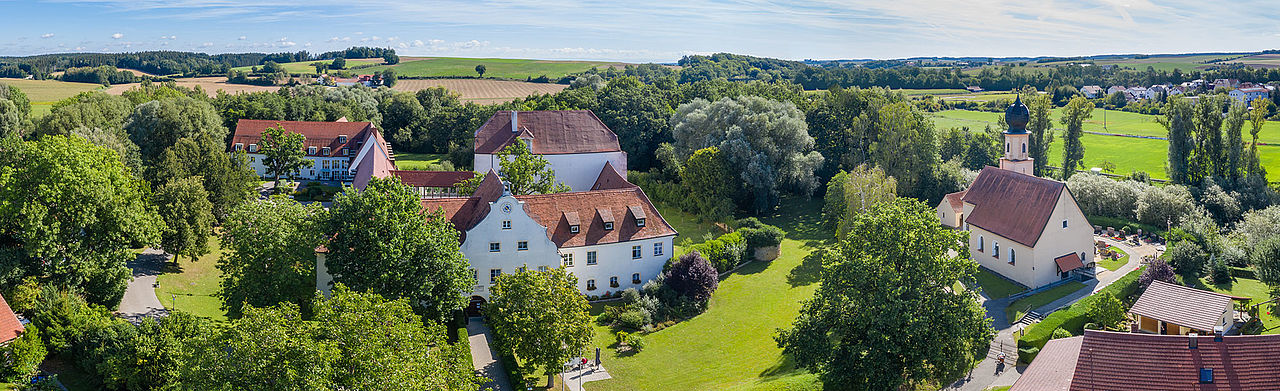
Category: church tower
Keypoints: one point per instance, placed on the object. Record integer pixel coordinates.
(1017, 140)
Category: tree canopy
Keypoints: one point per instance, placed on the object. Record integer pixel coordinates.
(540, 316)
(270, 253)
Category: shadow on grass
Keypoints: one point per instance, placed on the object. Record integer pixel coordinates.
(783, 367)
(800, 217)
(809, 270)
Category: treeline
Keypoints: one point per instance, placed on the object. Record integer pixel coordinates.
(353, 52)
(168, 62)
(105, 75)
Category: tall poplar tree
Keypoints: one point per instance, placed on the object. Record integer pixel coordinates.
(1207, 158)
(1041, 129)
(1233, 167)
(1073, 116)
(1177, 120)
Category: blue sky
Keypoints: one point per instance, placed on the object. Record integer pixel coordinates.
(646, 30)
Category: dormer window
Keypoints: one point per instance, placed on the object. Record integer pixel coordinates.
(640, 222)
(253, 147)
(637, 213)
(325, 151)
(311, 150)
(571, 219)
(239, 146)
(608, 226)
(606, 217)
(342, 139)
(573, 229)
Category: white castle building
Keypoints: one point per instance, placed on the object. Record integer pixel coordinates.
(574, 142)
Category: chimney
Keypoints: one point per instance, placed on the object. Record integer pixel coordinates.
(1217, 333)
(1191, 340)
(515, 122)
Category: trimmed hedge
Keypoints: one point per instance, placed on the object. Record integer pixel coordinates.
(1073, 318)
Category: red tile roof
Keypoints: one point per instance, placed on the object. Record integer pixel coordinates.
(432, 178)
(610, 179)
(590, 209)
(554, 132)
(1131, 361)
(1068, 262)
(956, 200)
(318, 134)
(10, 327)
(1183, 306)
(1013, 205)
(1052, 368)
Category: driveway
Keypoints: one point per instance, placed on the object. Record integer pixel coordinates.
(483, 358)
(140, 296)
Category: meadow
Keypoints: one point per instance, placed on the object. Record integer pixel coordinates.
(482, 91)
(43, 93)
(504, 68)
(306, 67)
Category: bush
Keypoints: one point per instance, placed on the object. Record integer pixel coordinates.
(766, 236)
(1187, 258)
(23, 356)
(693, 277)
(1219, 271)
(1157, 270)
(634, 319)
(635, 341)
(1106, 310)
(735, 249)
(621, 337)
(1060, 333)
(1074, 317)
(1027, 354)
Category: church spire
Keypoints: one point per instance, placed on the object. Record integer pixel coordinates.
(1016, 139)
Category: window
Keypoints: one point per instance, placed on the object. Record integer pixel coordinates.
(635, 252)
(345, 151)
(253, 147)
(1011, 256)
(1024, 147)
(979, 242)
(325, 151)
(495, 247)
(342, 139)
(493, 275)
(324, 164)
(311, 150)
(1206, 375)
(239, 146)
(573, 229)
(522, 246)
(591, 285)
(1064, 224)
(608, 225)
(635, 278)
(613, 282)
(591, 257)
(1006, 147)
(995, 250)
(657, 249)
(506, 224)
(566, 259)
(640, 222)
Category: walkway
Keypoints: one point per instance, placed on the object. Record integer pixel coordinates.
(140, 296)
(483, 358)
(573, 379)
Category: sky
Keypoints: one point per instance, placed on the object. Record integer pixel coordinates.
(646, 30)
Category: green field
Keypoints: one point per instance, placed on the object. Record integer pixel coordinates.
(43, 93)
(1017, 308)
(495, 67)
(1160, 63)
(996, 287)
(418, 161)
(730, 346)
(932, 91)
(985, 96)
(190, 286)
(306, 67)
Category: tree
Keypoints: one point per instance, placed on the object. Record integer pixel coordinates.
(267, 348)
(226, 176)
(1187, 258)
(834, 205)
(1073, 117)
(982, 151)
(765, 141)
(400, 111)
(1207, 158)
(320, 67)
(540, 316)
(1107, 311)
(693, 276)
(846, 334)
(10, 119)
(708, 182)
(639, 114)
(865, 189)
(1117, 99)
(1233, 164)
(283, 153)
(93, 109)
(1157, 270)
(188, 216)
(69, 213)
(338, 63)
(905, 149)
(270, 254)
(1266, 261)
(115, 140)
(157, 125)
(1041, 129)
(1178, 121)
(391, 59)
(527, 173)
(1165, 205)
(382, 242)
(480, 70)
(143, 357)
(1257, 119)
(388, 77)
(22, 356)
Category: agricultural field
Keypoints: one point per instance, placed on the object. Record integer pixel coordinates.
(913, 92)
(1185, 63)
(495, 67)
(210, 84)
(1257, 61)
(482, 91)
(43, 93)
(305, 66)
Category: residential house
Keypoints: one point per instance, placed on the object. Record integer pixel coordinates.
(974, 89)
(1136, 92)
(10, 326)
(336, 149)
(1226, 83)
(575, 143)
(1174, 309)
(1154, 91)
(1025, 228)
(1249, 94)
(1091, 91)
(1106, 360)
(1115, 89)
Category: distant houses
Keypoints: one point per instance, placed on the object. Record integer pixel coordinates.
(1091, 92)
(1249, 94)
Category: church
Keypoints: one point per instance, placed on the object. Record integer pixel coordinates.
(1025, 228)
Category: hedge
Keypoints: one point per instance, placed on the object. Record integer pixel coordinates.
(1072, 318)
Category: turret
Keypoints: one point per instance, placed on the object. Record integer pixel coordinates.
(1017, 140)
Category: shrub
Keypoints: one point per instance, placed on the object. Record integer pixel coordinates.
(766, 236)
(1107, 310)
(693, 277)
(621, 337)
(1157, 270)
(23, 356)
(1074, 317)
(1027, 354)
(735, 249)
(634, 319)
(1060, 333)
(636, 341)
(714, 251)
(1187, 258)
(1219, 271)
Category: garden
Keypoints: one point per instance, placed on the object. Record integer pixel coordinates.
(1112, 257)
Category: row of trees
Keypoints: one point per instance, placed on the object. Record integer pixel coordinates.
(171, 62)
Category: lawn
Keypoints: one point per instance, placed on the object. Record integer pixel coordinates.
(730, 346)
(1248, 287)
(985, 96)
(1118, 122)
(1017, 308)
(418, 161)
(506, 68)
(190, 286)
(688, 225)
(1111, 264)
(932, 91)
(996, 287)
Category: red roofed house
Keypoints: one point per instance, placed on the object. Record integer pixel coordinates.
(1105, 360)
(433, 184)
(340, 150)
(10, 326)
(1174, 309)
(1025, 228)
(574, 142)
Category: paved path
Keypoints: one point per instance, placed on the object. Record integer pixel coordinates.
(574, 378)
(483, 358)
(140, 296)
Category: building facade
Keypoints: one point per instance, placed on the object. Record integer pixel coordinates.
(334, 148)
(574, 142)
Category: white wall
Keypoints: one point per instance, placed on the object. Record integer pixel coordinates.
(1022, 271)
(541, 252)
(947, 215)
(614, 260)
(1056, 241)
(579, 170)
(310, 173)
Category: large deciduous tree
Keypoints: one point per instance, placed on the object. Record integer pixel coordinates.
(638, 113)
(1207, 158)
(270, 254)
(1178, 120)
(886, 313)
(1041, 128)
(540, 316)
(906, 148)
(226, 176)
(525, 172)
(1233, 164)
(864, 189)
(383, 242)
(1073, 117)
(765, 141)
(157, 125)
(188, 218)
(283, 152)
(709, 183)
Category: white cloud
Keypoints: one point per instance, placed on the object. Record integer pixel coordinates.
(46, 36)
(242, 37)
(169, 37)
(206, 45)
(417, 43)
(287, 44)
(117, 36)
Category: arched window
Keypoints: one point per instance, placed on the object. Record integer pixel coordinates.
(1006, 146)
(1024, 147)
(979, 242)
(1011, 256)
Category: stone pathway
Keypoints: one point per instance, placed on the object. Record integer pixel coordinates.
(483, 358)
(140, 296)
(574, 379)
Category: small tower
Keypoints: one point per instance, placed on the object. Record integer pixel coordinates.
(1017, 140)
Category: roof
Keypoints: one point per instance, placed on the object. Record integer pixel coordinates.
(1132, 361)
(609, 178)
(1252, 89)
(1052, 368)
(956, 200)
(10, 327)
(1068, 262)
(373, 160)
(1013, 205)
(553, 132)
(432, 178)
(588, 209)
(1183, 306)
(318, 134)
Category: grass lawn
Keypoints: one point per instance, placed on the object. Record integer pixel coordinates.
(1112, 265)
(520, 69)
(996, 287)
(730, 346)
(1017, 308)
(1248, 287)
(417, 161)
(189, 287)
(1001, 388)
(932, 91)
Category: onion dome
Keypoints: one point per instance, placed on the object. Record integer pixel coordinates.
(1017, 116)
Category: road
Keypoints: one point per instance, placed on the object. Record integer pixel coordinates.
(140, 296)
